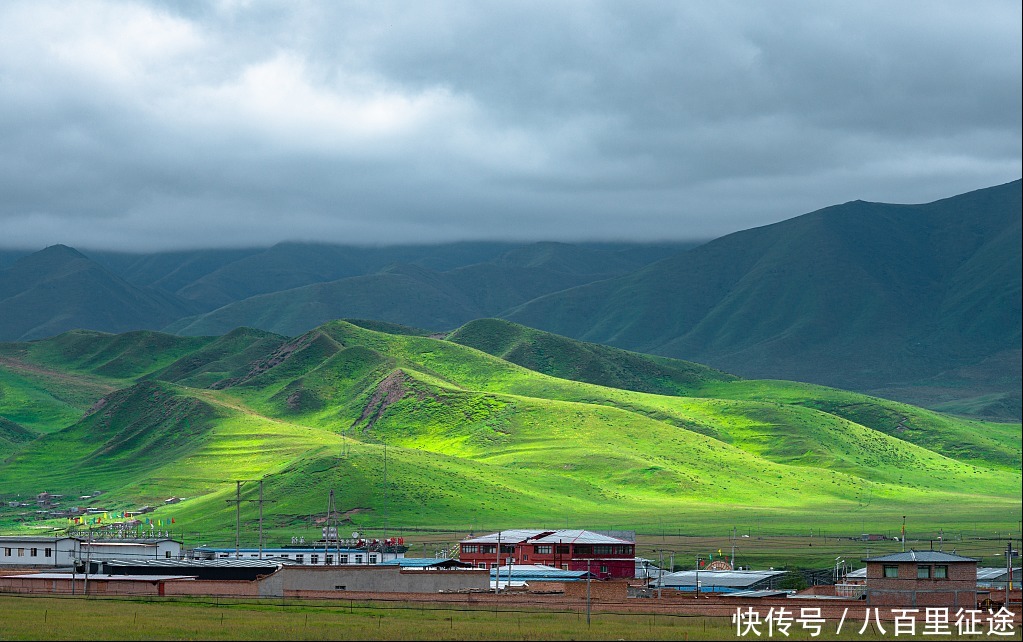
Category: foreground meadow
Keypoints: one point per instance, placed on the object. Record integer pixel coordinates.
(67, 618)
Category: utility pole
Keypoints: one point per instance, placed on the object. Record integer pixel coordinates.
(698, 560)
(587, 593)
(237, 501)
(903, 533)
(1008, 567)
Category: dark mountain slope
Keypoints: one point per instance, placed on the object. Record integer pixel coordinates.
(59, 289)
(866, 296)
(418, 296)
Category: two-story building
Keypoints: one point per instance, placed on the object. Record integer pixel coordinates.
(602, 555)
(922, 578)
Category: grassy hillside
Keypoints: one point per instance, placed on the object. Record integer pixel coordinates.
(413, 431)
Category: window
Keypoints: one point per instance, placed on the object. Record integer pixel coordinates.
(300, 558)
(33, 552)
(358, 559)
(165, 554)
(7, 551)
(21, 552)
(562, 550)
(285, 556)
(481, 565)
(372, 559)
(543, 550)
(891, 570)
(314, 559)
(941, 572)
(342, 559)
(488, 549)
(603, 568)
(525, 558)
(470, 548)
(564, 567)
(330, 561)
(339, 587)
(48, 552)
(923, 572)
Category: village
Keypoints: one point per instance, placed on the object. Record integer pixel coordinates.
(566, 568)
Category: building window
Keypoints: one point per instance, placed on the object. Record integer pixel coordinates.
(372, 559)
(7, 551)
(330, 560)
(891, 570)
(342, 559)
(33, 552)
(300, 558)
(564, 567)
(941, 572)
(481, 565)
(166, 554)
(358, 559)
(923, 572)
(562, 550)
(48, 552)
(603, 568)
(470, 548)
(525, 558)
(488, 549)
(21, 552)
(314, 559)
(543, 550)
(339, 587)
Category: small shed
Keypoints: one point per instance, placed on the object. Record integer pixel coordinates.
(719, 581)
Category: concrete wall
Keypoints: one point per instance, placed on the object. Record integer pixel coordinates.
(383, 579)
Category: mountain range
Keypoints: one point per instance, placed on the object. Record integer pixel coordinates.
(919, 303)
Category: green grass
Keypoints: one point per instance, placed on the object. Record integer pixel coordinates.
(469, 438)
(57, 618)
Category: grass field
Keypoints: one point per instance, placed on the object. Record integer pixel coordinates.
(44, 618)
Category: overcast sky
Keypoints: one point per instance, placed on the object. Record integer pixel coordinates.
(160, 125)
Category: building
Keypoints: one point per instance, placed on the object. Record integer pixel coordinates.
(718, 581)
(133, 549)
(306, 555)
(37, 551)
(515, 575)
(998, 578)
(922, 578)
(65, 551)
(604, 556)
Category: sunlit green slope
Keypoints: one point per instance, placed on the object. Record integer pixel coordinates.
(418, 431)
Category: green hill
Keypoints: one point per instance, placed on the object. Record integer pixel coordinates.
(469, 437)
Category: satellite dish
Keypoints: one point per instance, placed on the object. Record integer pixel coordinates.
(355, 534)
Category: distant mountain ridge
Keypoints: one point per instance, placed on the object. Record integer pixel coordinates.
(59, 289)
(919, 303)
(868, 296)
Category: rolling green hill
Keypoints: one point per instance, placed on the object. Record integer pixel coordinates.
(467, 437)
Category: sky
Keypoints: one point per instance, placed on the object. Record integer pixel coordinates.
(148, 126)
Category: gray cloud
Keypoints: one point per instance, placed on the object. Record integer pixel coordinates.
(148, 126)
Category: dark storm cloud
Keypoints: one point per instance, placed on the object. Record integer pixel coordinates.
(157, 125)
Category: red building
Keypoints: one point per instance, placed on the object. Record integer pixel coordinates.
(922, 578)
(573, 550)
